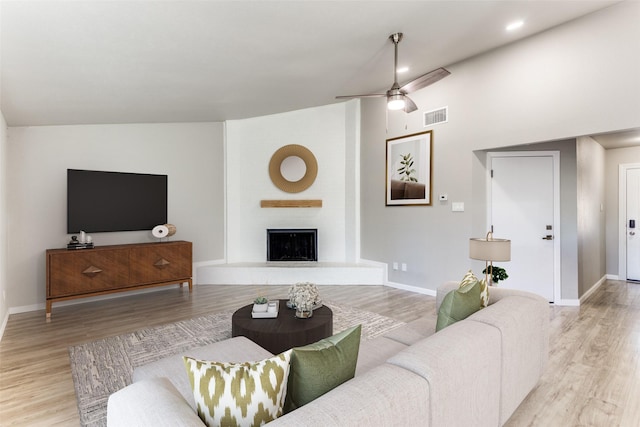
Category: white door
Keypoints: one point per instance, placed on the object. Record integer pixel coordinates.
(633, 224)
(522, 209)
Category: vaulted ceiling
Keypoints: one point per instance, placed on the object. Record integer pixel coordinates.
(88, 62)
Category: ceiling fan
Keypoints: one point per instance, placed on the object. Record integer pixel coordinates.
(397, 98)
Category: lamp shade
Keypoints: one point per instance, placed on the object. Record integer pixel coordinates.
(490, 249)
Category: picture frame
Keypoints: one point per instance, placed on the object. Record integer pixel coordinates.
(408, 170)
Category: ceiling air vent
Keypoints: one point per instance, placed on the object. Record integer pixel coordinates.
(434, 117)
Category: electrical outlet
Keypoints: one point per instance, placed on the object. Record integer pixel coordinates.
(457, 207)
(395, 265)
(404, 266)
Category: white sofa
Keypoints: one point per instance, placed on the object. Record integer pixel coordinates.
(473, 373)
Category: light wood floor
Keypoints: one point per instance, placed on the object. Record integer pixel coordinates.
(593, 377)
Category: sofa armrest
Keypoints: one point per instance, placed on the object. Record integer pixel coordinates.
(154, 402)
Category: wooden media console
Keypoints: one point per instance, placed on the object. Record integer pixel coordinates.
(82, 273)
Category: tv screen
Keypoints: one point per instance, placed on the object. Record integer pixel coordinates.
(100, 201)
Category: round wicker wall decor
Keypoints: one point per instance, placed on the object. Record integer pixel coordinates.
(288, 151)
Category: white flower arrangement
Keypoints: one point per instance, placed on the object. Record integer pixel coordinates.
(304, 296)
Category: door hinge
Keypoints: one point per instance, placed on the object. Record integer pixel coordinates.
(491, 173)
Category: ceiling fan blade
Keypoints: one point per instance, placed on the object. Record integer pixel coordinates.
(370, 95)
(425, 80)
(396, 95)
(409, 105)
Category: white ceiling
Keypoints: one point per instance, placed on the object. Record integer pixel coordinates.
(89, 62)
(623, 139)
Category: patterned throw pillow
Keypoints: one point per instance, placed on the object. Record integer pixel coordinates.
(471, 296)
(320, 367)
(239, 394)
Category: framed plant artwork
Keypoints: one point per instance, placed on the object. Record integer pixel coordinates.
(408, 178)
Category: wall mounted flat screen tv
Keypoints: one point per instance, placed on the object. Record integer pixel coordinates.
(100, 201)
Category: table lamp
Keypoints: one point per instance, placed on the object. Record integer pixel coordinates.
(489, 250)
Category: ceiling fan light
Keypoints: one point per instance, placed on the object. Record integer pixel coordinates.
(395, 102)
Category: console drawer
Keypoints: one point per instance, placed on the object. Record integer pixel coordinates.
(80, 272)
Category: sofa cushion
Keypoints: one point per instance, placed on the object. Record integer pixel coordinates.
(237, 349)
(243, 394)
(414, 331)
(461, 364)
(384, 396)
(376, 351)
(154, 402)
(318, 368)
(458, 304)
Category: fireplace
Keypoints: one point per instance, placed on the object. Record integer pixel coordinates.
(292, 244)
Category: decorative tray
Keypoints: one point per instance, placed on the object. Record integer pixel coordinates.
(271, 313)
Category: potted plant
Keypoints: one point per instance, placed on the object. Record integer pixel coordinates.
(497, 273)
(260, 304)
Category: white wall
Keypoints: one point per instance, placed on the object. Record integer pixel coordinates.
(576, 79)
(3, 208)
(613, 160)
(191, 154)
(591, 214)
(4, 247)
(250, 144)
(569, 274)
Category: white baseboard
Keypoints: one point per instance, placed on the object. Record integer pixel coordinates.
(593, 288)
(16, 310)
(26, 308)
(583, 298)
(4, 325)
(568, 302)
(364, 262)
(411, 288)
(613, 277)
(396, 285)
(42, 306)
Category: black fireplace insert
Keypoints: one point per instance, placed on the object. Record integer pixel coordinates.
(292, 244)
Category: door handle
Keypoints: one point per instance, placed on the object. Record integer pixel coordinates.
(548, 237)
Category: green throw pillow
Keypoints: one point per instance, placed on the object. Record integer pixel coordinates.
(318, 368)
(471, 296)
(239, 394)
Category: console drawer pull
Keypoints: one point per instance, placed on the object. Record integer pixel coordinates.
(91, 271)
(162, 263)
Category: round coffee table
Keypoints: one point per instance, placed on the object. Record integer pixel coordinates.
(285, 331)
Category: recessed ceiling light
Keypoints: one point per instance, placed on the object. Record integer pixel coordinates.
(403, 69)
(515, 25)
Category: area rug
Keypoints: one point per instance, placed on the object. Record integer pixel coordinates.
(102, 367)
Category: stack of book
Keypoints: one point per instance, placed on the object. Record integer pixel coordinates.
(74, 244)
